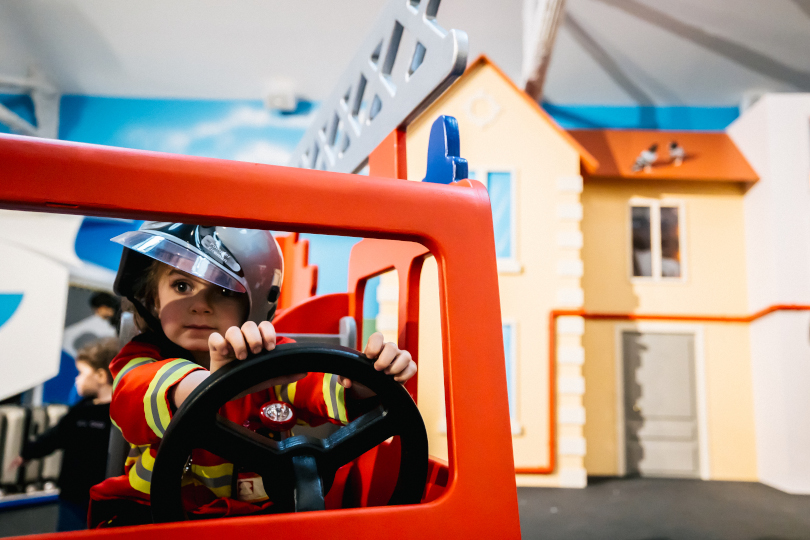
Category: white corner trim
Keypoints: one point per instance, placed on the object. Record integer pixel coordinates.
(571, 415)
(386, 321)
(569, 184)
(570, 268)
(571, 385)
(571, 446)
(570, 297)
(569, 211)
(568, 354)
(569, 239)
(571, 324)
(573, 478)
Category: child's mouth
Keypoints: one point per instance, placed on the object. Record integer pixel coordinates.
(199, 327)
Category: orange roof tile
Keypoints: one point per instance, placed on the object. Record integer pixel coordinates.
(588, 160)
(710, 156)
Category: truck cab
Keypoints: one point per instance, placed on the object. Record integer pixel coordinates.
(473, 493)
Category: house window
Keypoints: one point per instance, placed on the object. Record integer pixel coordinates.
(499, 185)
(656, 239)
(501, 188)
(510, 355)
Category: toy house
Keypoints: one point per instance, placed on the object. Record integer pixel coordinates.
(665, 318)
(532, 169)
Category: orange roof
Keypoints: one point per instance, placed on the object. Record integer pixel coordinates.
(708, 156)
(588, 161)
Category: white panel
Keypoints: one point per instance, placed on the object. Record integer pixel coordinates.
(573, 478)
(386, 321)
(570, 297)
(572, 211)
(571, 415)
(52, 235)
(31, 340)
(570, 355)
(569, 239)
(570, 325)
(571, 385)
(774, 136)
(387, 294)
(571, 446)
(569, 184)
(570, 268)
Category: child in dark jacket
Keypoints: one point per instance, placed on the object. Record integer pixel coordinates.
(83, 434)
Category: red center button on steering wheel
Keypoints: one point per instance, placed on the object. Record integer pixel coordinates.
(277, 415)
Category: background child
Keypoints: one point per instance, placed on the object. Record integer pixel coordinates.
(204, 297)
(83, 434)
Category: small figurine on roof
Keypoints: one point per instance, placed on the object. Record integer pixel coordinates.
(646, 158)
(676, 153)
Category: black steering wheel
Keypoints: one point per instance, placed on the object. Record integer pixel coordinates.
(301, 466)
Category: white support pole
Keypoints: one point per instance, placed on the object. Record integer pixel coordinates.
(541, 19)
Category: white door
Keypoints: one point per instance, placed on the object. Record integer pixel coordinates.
(660, 414)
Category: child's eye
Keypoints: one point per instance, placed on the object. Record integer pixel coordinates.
(181, 286)
(227, 293)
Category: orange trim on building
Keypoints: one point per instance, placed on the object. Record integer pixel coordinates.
(552, 358)
(709, 156)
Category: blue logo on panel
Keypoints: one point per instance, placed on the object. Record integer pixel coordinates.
(8, 305)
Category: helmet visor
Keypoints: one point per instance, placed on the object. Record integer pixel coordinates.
(177, 256)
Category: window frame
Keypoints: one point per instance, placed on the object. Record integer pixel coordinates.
(511, 364)
(511, 264)
(655, 238)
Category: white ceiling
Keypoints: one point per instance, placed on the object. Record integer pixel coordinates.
(608, 52)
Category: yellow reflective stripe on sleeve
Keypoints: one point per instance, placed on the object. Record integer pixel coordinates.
(217, 478)
(140, 476)
(132, 364)
(155, 404)
(290, 388)
(333, 395)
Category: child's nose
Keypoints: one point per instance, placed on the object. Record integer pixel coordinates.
(201, 302)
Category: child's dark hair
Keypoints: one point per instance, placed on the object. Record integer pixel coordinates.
(146, 287)
(103, 299)
(98, 354)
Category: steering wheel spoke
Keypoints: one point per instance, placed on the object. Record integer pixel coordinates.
(238, 444)
(361, 435)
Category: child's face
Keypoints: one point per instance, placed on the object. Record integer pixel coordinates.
(89, 381)
(191, 309)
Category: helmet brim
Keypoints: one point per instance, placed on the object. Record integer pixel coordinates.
(180, 257)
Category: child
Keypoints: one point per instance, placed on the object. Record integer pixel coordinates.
(83, 433)
(204, 297)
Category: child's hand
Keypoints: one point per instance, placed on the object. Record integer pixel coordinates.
(238, 342)
(16, 462)
(389, 358)
(235, 345)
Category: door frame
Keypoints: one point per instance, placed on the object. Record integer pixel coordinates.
(700, 386)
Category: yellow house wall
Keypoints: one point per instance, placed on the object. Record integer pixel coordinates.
(713, 248)
(517, 140)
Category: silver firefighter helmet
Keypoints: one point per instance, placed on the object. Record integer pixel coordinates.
(242, 260)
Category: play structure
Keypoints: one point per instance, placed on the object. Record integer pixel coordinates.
(473, 492)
